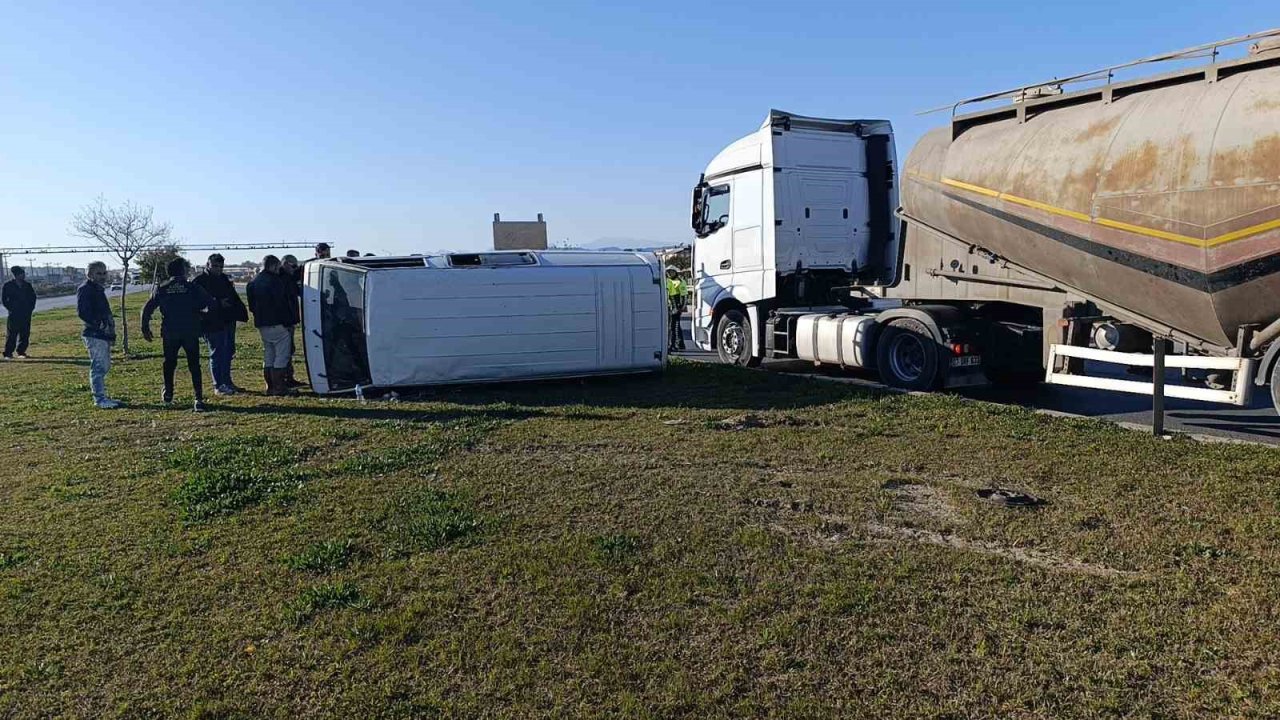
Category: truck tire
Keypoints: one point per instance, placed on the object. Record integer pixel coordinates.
(733, 340)
(908, 357)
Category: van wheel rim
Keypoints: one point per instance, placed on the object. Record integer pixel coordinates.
(907, 357)
(733, 340)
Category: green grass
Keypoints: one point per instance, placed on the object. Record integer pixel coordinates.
(323, 557)
(704, 543)
(221, 476)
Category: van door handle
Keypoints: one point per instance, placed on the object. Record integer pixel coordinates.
(725, 264)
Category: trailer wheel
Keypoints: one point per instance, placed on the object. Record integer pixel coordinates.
(733, 340)
(1275, 386)
(908, 356)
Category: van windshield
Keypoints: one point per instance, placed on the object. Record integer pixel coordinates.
(346, 355)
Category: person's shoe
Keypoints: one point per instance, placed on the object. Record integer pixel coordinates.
(6, 357)
(223, 390)
(199, 407)
(22, 356)
(107, 404)
(166, 398)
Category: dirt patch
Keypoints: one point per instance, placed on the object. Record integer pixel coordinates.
(750, 421)
(915, 500)
(890, 533)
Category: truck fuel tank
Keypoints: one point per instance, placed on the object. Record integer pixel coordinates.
(844, 340)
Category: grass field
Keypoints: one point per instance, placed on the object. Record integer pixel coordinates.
(705, 543)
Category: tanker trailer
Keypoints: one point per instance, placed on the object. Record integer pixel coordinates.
(1054, 226)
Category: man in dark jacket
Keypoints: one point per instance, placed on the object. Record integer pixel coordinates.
(19, 298)
(273, 309)
(99, 331)
(181, 305)
(219, 324)
(292, 273)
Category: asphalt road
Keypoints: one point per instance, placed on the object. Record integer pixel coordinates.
(62, 301)
(1256, 423)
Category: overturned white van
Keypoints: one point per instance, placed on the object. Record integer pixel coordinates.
(384, 322)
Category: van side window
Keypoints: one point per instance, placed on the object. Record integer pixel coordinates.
(716, 210)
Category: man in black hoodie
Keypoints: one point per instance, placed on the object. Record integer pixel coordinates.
(273, 308)
(181, 305)
(19, 298)
(219, 324)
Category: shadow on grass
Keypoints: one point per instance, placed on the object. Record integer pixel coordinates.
(53, 361)
(374, 412)
(682, 385)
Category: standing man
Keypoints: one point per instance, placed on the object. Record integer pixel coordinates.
(219, 324)
(270, 304)
(322, 251)
(19, 298)
(181, 304)
(677, 297)
(99, 331)
(291, 273)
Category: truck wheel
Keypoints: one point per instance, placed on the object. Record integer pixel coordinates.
(909, 357)
(733, 340)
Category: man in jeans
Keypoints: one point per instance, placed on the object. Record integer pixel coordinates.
(219, 324)
(19, 298)
(271, 305)
(181, 305)
(99, 331)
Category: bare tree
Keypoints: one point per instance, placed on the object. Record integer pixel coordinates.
(126, 230)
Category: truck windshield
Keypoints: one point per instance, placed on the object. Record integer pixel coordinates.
(346, 355)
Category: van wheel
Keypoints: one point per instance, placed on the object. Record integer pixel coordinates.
(908, 357)
(733, 340)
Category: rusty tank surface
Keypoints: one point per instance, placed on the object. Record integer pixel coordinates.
(1159, 196)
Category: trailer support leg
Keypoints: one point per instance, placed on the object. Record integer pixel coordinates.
(1159, 346)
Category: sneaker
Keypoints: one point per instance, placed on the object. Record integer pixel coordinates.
(22, 356)
(166, 398)
(107, 404)
(224, 390)
(199, 406)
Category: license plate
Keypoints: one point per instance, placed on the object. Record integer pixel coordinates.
(966, 361)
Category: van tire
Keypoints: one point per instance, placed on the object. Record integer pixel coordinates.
(733, 339)
(908, 357)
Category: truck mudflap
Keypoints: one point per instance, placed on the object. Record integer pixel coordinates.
(1240, 393)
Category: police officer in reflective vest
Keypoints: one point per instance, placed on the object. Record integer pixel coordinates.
(677, 300)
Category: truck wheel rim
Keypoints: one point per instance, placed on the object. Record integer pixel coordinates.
(732, 339)
(907, 357)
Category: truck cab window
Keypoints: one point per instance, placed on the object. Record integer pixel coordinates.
(715, 209)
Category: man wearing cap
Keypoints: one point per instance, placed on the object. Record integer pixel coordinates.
(181, 305)
(19, 298)
(322, 251)
(219, 324)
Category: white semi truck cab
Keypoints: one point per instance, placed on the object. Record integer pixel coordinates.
(795, 236)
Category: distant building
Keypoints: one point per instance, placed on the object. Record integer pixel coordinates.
(519, 234)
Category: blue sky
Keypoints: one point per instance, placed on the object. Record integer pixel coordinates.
(402, 127)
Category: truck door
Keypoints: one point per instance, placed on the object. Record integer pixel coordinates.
(712, 255)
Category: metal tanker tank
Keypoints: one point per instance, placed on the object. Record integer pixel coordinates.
(1159, 196)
